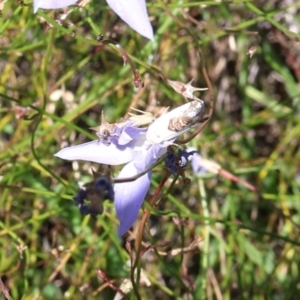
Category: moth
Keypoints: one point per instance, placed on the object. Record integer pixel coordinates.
(176, 122)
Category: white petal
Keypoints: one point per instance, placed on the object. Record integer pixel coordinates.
(134, 13)
(129, 196)
(51, 4)
(97, 152)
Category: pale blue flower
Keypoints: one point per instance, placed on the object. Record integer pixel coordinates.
(51, 4)
(129, 147)
(197, 163)
(139, 149)
(202, 165)
(132, 12)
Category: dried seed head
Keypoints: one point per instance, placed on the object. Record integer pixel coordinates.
(106, 130)
(186, 90)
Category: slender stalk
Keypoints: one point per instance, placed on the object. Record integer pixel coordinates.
(139, 236)
(201, 282)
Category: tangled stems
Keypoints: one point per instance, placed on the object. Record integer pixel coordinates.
(139, 234)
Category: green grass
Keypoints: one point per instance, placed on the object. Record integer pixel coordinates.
(239, 244)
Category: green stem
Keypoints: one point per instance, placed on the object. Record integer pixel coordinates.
(201, 282)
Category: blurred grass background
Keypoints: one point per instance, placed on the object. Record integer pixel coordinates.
(54, 82)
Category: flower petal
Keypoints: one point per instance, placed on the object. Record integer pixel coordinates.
(134, 13)
(129, 196)
(155, 152)
(51, 4)
(202, 165)
(130, 133)
(97, 152)
(196, 164)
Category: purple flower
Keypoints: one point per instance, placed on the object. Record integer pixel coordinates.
(132, 12)
(139, 149)
(202, 165)
(196, 160)
(51, 4)
(132, 149)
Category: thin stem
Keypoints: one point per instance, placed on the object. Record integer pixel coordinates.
(204, 72)
(138, 82)
(139, 235)
(201, 282)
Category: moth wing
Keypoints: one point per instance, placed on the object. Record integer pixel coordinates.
(158, 131)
